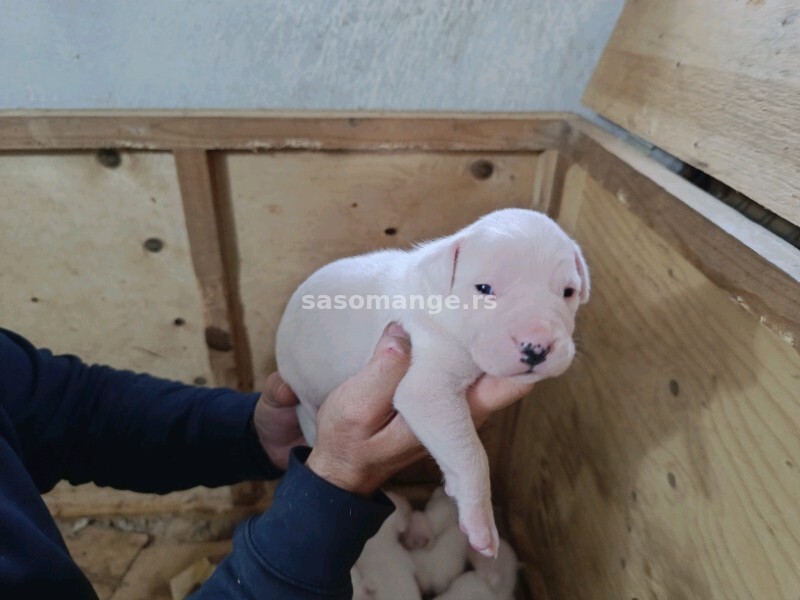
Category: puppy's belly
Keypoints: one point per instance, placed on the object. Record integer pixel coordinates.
(319, 348)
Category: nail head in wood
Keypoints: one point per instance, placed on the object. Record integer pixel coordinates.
(109, 157)
(481, 169)
(154, 244)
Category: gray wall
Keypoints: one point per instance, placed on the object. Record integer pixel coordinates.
(301, 54)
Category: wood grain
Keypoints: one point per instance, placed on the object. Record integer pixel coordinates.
(75, 273)
(548, 184)
(756, 268)
(215, 268)
(715, 83)
(666, 462)
(232, 130)
(150, 573)
(104, 554)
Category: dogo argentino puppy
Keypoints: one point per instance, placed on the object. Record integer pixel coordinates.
(385, 570)
(512, 282)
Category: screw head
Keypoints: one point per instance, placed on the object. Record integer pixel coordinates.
(153, 244)
(481, 169)
(109, 157)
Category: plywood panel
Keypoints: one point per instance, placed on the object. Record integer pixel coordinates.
(716, 83)
(296, 212)
(76, 275)
(666, 462)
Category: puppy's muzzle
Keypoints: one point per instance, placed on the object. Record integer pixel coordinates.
(534, 354)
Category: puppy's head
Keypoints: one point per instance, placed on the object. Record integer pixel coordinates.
(519, 280)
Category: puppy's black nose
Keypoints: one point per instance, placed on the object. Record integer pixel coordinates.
(534, 354)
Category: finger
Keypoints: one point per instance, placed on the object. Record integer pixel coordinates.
(277, 392)
(490, 394)
(372, 389)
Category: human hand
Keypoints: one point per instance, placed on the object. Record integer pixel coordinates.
(361, 439)
(489, 394)
(275, 420)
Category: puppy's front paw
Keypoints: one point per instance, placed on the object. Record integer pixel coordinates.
(477, 523)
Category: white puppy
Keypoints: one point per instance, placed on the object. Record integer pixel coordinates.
(439, 547)
(385, 571)
(492, 579)
(469, 586)
(500, 574)
(512, 281)
(436, 566)
(425, 526)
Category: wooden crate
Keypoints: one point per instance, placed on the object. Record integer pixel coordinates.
(664, 464)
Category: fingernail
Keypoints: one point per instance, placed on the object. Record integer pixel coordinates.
(396, 330)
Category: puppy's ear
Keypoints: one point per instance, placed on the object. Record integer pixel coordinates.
(583, 273)
(438, 265)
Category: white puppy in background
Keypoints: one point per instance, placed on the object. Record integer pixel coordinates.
(436, 566)
(500, 574)
(515, 280)
(385, 571)
(469, 586)
(425, 526)
(439, 547)
(492, 579)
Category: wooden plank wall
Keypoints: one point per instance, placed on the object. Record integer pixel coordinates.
(717, 84)
(95, 261)
(651, 469)
(664, 464)
(104, 215)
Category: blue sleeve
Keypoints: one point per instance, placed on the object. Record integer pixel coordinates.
(125, 430)
(303, 546)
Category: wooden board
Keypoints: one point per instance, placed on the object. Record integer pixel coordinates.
(104, 554)
(67, 501)
(666, 462)
(273, 130)
(757, 269)
(717, 84)
(150, 573)
(75, 273)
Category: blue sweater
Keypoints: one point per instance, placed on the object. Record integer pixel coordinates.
(61, 419)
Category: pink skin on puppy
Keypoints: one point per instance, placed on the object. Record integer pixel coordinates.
(522, 279)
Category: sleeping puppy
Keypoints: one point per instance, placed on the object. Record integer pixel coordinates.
(425, 526)
(498, 297)
(469, 586)
(492, 579)
(500, 574)
(439, 547)
(436, 566)
(385, 571)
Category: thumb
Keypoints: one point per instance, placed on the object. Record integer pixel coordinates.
(376, 383)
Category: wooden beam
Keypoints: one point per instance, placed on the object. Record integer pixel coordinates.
(225, 335)
(551, 167)
(279, 131)
(213, 255)
(758, 269)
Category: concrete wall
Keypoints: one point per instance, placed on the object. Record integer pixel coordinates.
(301, 54)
